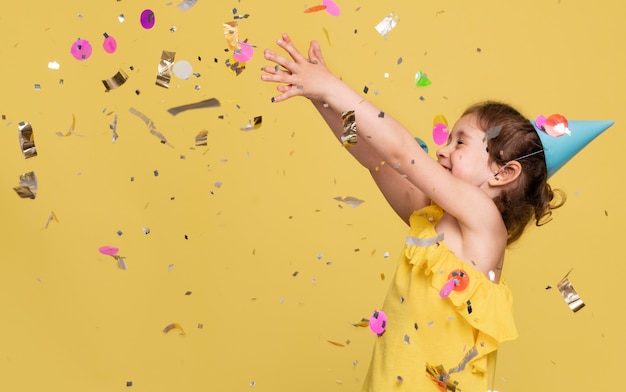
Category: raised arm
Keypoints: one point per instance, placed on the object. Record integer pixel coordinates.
(384, 136)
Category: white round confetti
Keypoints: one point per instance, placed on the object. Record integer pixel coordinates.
(182, 69)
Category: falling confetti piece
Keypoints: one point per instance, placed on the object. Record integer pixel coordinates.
(53, 65)
(27, 140)
(349, 200)
(331, 7)
(81, 49)
(201, 138)
(423, 242)
(363, 323)
(121, 262)
(387, 24)
(151, 126)
(492, 132)
(349, 138)
(244, 53)
(164, 70)
(570, 295)
(315, 8)
(441, 131)
(336, 343)
(147, 19)
(51, 217)
(378, 322)
(109, 44)
(173, 326)
(28, 186)
(182, 69)
(253, 124)
(185, 5)
(421, 80)
(108, 250)
(207, 103)
(115, 81)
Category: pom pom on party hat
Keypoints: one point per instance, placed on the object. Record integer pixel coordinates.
(562, 139)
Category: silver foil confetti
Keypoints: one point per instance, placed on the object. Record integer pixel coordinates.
(185, 5)
(423, 242)
(28, 186)
(207, 103)
(570, 295)
(27, 140)
(387, 24)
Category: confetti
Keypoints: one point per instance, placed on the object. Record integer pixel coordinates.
(423, 242)
(363, 323)
(53, 65)
(492, 132)
(570, 295)
(182, 69)
(115, 81)
(421, 80)
(151, 126)
(27, 140)
(108, 250)
(336, 343)
(207, 103)
(51, 217)
(185, 5)
(387, 24)
(201, 138)
(349, 128)
(173, 326)
(349, 200)
(244, 53)
(315, 8)
(441, 132)
(28, 186)
(164, 70)
(81, 49)
(109, 44)
(331, 7)
(253, 124)
(378, 322)
(147, 19)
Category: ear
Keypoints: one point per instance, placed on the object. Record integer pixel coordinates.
(506, 174)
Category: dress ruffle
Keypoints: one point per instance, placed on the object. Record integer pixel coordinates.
(486, 299)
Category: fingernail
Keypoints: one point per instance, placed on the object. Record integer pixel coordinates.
(279, 41)
(273, 99)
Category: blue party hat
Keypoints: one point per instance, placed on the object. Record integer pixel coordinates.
(575, 135)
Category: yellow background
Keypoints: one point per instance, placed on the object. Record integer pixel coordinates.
(232, 222)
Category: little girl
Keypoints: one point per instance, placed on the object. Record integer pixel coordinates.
(447, 309)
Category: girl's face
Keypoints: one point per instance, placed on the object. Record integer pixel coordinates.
(465, 155)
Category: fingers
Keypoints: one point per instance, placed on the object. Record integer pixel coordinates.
(286, 43)
(315, 52)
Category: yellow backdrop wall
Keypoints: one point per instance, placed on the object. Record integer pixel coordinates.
(241, 243)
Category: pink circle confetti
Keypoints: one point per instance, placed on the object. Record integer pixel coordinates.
(245, 53)
(147, 19)
(331, 7)
(108, 250)
(440, 133)
(81, 49)
(109, 44)
(378, 322)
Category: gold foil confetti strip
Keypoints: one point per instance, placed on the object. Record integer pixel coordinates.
(201, 138)
(363, 323)
(349, 128)
(151, 126)
(51, 217)
(115, 81)
(231, 33)
(27, 140)
(173, 326)
(121, 262)
(28, 186)
(253, 124)
(207, 103)
(439, 375)
(350, 200)
(164, 71)
(570, 295)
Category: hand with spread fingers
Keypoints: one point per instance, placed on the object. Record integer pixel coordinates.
(297, 75)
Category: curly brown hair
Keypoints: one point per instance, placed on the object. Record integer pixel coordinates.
(532, 198)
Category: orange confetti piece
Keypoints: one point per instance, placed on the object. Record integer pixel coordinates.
(315, 8)
(336, 343)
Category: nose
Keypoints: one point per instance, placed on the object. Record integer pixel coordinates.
(442, 153)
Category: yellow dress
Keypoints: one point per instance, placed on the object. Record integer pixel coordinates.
(434, 342)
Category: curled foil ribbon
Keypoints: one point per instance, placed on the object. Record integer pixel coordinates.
(27, 140)
(164, 72)
(570, 295)
(349, 128)
(28, 186)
